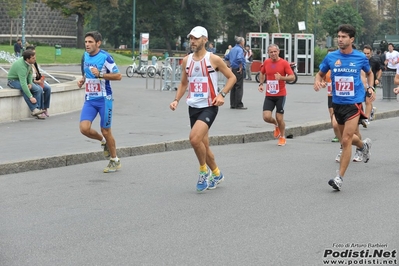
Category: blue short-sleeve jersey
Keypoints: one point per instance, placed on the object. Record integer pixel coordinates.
(104, 62)
(347, 85)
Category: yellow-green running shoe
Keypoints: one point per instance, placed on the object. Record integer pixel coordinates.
(113, 166)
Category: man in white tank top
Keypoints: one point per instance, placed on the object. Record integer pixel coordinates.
(199, 76)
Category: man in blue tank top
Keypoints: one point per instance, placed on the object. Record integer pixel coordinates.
(348, 93)
(99, 69)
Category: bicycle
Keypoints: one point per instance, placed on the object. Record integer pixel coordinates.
(130, 70)
(133, 68)
(153, 70)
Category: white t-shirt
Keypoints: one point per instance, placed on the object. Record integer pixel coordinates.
(248, 54)
(392, 58)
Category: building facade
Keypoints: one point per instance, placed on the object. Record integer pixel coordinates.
(42, 26)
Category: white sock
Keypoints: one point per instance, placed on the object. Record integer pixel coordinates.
(116, 159)
(103, 140)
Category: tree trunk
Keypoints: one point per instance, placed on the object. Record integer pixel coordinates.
(80, 42)
(167, 40)
(11, 24)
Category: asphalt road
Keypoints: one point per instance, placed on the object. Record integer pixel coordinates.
(274, 208)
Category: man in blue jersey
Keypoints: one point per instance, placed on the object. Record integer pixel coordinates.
(99, 68)
(348, 93)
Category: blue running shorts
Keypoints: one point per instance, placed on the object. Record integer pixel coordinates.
(102, 106)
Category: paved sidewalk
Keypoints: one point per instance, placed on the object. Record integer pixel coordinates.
(143, 123)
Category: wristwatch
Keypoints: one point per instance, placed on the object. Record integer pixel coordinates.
(223, 94)
(101, 75)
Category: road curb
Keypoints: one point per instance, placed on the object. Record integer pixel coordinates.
(80, 158)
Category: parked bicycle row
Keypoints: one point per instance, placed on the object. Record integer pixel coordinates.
(169, 70)
(143, 69)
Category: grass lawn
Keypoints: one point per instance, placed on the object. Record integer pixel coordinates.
(46, 55)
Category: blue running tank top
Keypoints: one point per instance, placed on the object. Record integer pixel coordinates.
(347, 86)
(96, 88)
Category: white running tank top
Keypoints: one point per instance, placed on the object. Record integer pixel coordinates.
(202, 82)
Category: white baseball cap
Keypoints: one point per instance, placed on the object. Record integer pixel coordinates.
(198, 32)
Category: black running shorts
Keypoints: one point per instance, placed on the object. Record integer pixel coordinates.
(207, 114)
(345, 112)
(272, 102)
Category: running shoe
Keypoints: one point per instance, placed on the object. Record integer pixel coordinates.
(276, 132)
(338, 157)
(281, 141)
(113, 166)
(336, 183)
(335, 139)
(203, 183)
(365, 122)
(366, 149)
(358, 156)
(372, 114)
(215, 180)
(105, 148)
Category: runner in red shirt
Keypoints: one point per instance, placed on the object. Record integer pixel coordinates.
(277, 71)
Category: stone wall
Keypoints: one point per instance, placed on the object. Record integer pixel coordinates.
(65, 97)
(42, 25)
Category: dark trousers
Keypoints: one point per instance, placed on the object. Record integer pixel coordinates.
(237, 91)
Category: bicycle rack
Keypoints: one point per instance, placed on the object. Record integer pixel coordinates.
(221, 81)
(154, 77)
(172, 81)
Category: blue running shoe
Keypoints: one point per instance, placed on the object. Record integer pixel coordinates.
(215, 180)
(203, 183)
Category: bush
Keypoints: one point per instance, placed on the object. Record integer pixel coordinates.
(319, 55)
(256, 54)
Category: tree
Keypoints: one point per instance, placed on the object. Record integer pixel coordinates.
(13, 10)
(369, 14)
(114, 23)
(259, 12)
(167, 20)
(163, 17)
(289, 16)
(390, 26)
(341, 14)
(79, 8)
(236, 22)
(207, 13)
